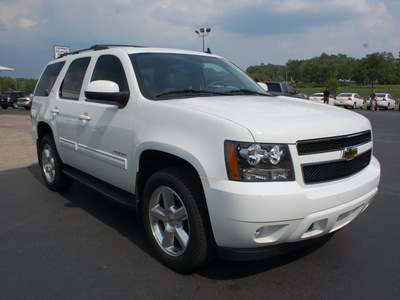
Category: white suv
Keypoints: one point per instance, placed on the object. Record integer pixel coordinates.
(212, 162)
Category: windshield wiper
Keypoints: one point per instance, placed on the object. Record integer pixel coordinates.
(246, 92)
(190, 92)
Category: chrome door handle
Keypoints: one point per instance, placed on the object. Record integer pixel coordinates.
(84, 117)
(55, 111)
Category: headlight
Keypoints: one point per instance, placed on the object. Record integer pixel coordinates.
(258, 162)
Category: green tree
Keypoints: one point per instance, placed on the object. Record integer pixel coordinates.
(333, 85)
(321, 70)
(377, 67)
(8, 84)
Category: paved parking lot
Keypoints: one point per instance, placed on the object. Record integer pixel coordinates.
(17, 148)
(76, 245)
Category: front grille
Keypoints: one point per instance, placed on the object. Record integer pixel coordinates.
(333, 143)
(327, 171)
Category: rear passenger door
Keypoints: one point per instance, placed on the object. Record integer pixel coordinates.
(105, 129)
(64, 110)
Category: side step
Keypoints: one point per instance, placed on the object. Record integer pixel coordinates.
(105, 189)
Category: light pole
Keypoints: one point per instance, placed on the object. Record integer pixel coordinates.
(203, 32)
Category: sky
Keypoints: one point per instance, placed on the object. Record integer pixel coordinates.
(245, 32)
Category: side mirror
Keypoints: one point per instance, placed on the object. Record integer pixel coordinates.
(105, 91)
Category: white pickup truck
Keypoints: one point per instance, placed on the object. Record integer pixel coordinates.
(211, 161)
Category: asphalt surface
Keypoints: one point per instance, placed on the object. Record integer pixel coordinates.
(76, 245)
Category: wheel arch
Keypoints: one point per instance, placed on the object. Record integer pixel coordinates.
(43, 129)
(152, 161)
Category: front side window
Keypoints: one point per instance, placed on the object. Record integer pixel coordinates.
(289, 89)
(109, 67)
(72, 83)
(169, 76)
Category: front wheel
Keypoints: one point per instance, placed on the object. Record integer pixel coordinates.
(175, 219)
(51, 166)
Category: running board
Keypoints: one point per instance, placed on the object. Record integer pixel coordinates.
(103, 188)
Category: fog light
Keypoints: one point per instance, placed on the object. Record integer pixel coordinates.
(269, 234)
(258, 232)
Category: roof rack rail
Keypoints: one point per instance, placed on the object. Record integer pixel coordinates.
(98, 47)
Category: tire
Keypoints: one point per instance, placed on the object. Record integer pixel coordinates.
(27, 107)
(51, 166)
(354, 105)
(176, 221)
(4, 107)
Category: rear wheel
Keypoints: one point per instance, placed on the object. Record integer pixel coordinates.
(176, 220)
(51, 166)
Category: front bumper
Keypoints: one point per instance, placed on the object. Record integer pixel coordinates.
(257, 215)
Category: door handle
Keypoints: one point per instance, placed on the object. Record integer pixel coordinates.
(84, 117)
(55, 110)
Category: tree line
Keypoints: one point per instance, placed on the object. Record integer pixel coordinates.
(8, 84)
(328, 70)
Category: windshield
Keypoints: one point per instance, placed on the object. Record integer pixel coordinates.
(170, 76)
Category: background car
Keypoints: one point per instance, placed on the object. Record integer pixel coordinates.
(319, 97)
(304, 96)
(352, 100)
(278, 88)
(385, 101)
(24, 102)
(11, 100)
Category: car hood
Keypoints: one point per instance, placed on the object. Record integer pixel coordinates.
(283, 120)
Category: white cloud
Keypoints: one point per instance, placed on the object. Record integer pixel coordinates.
(17, 14)
(25, 23)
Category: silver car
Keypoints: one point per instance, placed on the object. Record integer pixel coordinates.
(24, 102)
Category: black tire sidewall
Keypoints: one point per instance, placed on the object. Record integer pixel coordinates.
(198, 251)
(60, 182)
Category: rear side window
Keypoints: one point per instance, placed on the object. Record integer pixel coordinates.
(48, 78)
(72, 83)
(274, 87)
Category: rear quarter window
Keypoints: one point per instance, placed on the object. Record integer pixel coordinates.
(48, 78)
(274, 87)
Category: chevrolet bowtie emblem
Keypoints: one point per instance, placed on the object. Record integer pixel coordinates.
(349, 153)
